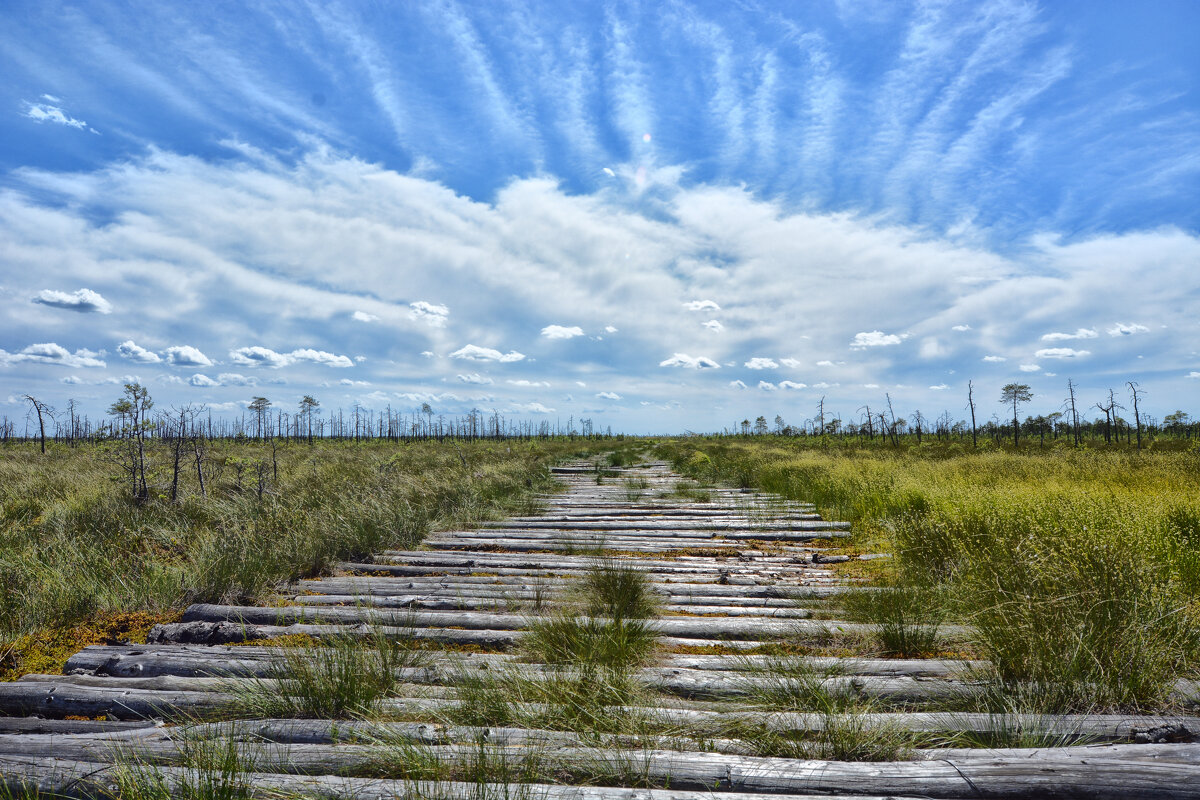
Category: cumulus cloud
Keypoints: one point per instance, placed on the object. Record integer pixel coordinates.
(524, 382)
(737, 384)
(995, 359)
(701, 305)
(791, 363)
(939, 387)
(759, 362)
(475, 378)
(961, 328)
(1121, 329)
(82, 300)
(429, 313)
(321, 357)
(1081, 333)
(426, 354)
(1061, 352)
(532, 408)
(609, 329)
(1193, 374)
(202, 380)
(71, 380)
(1030, 367)
(235, 379)
(825, 363)
(608, 395)
(561, 332)
(257, 356)
(689, 362)
(362, 316)
(127, 349)
(714, 325)
(792, 385)
(473, 352)
(187, 356)
(51, 353)
(873, 339)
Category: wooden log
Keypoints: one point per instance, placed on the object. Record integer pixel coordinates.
(64, 699)
(37, 726)
(97, 781)
(1162, 771)
(671, 626)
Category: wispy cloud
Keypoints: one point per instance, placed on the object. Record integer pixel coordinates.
(865, 339)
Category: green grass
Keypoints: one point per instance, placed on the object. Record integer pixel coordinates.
(1078, 570)
(74, 546)
(342, 678)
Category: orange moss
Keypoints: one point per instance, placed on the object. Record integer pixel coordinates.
(46, 651)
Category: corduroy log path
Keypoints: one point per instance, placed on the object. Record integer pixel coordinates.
(734, 574)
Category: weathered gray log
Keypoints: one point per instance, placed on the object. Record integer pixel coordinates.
(499, 602)
(64, 699)
(671, 626)
(38, 726)
(94, 781)
(1162, 771)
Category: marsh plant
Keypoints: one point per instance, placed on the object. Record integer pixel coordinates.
(342, 677)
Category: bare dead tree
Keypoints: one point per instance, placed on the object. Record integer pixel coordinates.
(1133, 391)
(971, 405)
(42, 410)
(1074, 412)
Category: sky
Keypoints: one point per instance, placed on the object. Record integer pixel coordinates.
(660, 216)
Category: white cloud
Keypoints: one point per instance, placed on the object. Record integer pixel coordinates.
(995, 359)
(234, 379)
(1081, 333)
(560, 332)
(44, 112)
(701, 305)
(766, 386)
(759, 362)
(870, 385)
(939, 387)
(202, 380)
(1121, 329)
(825, 363)
(1061, 352)
(472, 352)
(321, 357)
(532, 408)
(359, 384)
(608, 395)
(577, 383)
(82, 300)
(127, 349)
(475, 378)
(961, 328)
(427, 354)
(792, 385)
(609, 329)
(362, 316)
(524, 382)
(51, 353)
(187, 356)
(429, 313)
(71, 380)
(689, 362)
(791, 363)
(1030, 368)
(824, 385)
(737, 384)
(257, 356)
(873, 339)
(714, 325)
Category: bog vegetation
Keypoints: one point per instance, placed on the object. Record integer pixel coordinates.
(1077, 568)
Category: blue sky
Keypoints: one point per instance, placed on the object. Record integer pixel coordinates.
(660, 216)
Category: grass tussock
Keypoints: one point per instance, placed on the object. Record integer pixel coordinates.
(340, 678)
(1078, 570)
(74, 546)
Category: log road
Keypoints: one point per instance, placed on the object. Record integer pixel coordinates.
(739, 572)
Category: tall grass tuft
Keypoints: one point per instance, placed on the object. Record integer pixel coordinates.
(344, 677)
(617, 589)
(907, 617)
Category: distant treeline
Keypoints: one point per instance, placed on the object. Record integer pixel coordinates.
(1069, 423)
(135, 415)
